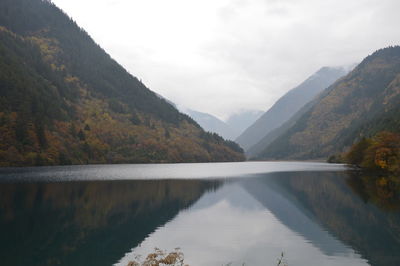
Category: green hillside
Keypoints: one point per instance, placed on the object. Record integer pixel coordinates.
(361, 104)
(64, 100)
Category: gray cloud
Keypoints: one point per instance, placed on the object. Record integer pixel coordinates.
(221, 56)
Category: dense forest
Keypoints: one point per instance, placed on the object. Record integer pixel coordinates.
(379, 153)
(360, 105)
(64, 100)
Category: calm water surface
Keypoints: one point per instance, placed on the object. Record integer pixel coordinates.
(317, 214)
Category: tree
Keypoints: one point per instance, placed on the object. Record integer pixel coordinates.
(357, 152)
(382, 152)
(81, 135)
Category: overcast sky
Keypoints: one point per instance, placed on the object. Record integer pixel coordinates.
(223, 56)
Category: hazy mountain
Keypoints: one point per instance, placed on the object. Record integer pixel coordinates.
(362, 103)
(230, 129)
(289, 104)
(239, 122)
(255, 150)
(212, 124)
(64, 100)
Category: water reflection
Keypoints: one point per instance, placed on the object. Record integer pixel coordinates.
(316, 218)
(275, 196)
(157, 171)
(86, 223)
(361, 222)
(381, 190)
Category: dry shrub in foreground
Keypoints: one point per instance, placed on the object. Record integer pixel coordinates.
(281, 260)
(176, 258)
(160, 257)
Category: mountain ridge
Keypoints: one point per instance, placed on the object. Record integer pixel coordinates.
(361, 104)
(211, 123)
(288, 105)
(64, 100)
(230, 129)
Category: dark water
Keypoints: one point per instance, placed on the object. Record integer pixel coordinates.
(317, 214)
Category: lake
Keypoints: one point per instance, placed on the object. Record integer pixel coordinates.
(216, 213)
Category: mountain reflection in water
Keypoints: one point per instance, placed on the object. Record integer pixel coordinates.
(316, 218)
(86, 223)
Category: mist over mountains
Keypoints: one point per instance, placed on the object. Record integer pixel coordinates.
(230, 129)
(361, 104)
(289, 104)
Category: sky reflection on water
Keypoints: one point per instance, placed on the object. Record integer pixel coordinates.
(158, 171)
(232, 226)
(318, 215)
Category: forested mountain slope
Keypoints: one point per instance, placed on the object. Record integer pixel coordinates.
(361, 104)
(288, 105)
(255, 150)
(64, 100)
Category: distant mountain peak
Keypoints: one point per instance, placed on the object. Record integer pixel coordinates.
(230, 129)
(288, 105)
(361, 104)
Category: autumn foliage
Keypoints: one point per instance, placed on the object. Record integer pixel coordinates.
(64, 100)
(381, 152)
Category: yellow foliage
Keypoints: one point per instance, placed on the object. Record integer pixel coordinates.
(381, 152)
(381, 157)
